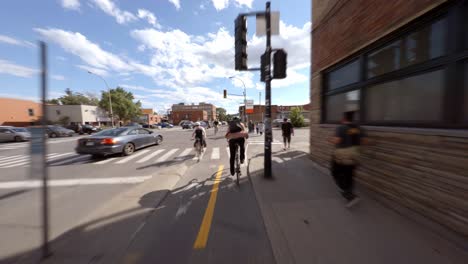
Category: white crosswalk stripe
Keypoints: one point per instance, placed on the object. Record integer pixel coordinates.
(14, 162)
(11, 157)
(135, 155)
(215, 154)
(201, 156)
(167, 155)
(150, 156)
(228, 152)
(185, 153)
(105, 161)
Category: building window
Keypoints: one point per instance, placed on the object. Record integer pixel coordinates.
(31, 112)
(419, 46)
(348, 74)
(340, 103)
(465, 103)
(58, 112)
(417, 98)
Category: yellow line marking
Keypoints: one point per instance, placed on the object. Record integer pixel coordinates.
(205, 226)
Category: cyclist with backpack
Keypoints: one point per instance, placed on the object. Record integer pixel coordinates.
(236, 135)
(199, 133)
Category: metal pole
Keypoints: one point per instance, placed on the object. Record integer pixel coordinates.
(45, 176)
(260, 105)
(268, 132)
(110, 100)
(245, 97)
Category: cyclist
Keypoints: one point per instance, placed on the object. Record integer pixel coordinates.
(236, 134)
(216, 124)
(199, 133)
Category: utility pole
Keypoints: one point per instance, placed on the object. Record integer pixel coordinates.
(110, 100)
(267, 71)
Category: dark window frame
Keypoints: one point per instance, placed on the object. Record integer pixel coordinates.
(456, 51)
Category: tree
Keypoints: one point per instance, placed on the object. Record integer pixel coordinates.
(123, 105)
(221, 114)
(297, 119)
(74, 98)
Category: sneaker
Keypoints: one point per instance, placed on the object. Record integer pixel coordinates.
(232, 172)
(242, 161)
(353, 202)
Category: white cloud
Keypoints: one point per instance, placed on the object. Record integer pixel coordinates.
(220, 4)
(260, 86)
(60, 58)
(247, 3)
(71, 4)
(7, 67)
(96, 59)
(202, 6)
(98, 71)
(109, 7)
(16, 42)
(176, 3)
(58, 77)
(292, 78)
(150, 17)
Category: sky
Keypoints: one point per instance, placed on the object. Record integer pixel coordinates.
(163, 51)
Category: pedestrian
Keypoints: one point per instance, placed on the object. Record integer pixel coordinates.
(288, 130)
(251, 126)
(79, 129)
(256, 126)
(261, 128)
(348, 137)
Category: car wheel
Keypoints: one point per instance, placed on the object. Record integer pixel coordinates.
(53, 135)
(128, 149)
(159, 140)
(18, 139)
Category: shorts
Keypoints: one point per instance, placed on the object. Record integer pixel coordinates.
(287, 138)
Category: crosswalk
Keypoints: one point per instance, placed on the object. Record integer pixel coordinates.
(9, 146)
(139, 157)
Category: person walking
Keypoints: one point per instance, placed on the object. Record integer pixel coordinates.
(256, 127)
(261, 128)
(347, 140)
(288, 130)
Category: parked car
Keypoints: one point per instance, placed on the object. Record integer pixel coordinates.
(204, 124)
(85, 129)
(124, 140)
(166, 125)
(133, 124)
(146, 125)
(58, 131)
(277, 122)
(17, 134)
(187, 125)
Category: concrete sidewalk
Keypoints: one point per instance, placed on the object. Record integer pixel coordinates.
(307, 221)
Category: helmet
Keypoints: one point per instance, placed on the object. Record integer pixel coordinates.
(236, 118)
(197, 123)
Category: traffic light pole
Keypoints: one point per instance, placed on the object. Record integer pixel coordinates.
(268, 131)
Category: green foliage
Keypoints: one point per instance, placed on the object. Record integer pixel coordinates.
(73, 98)
(297, 119)
(123, 105)
(53, 101)
(221, 114)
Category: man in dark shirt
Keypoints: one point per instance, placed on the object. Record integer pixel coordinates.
(288, 130)
(348, 137)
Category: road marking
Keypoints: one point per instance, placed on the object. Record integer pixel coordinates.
(228, 152)
(135, 155)
(201, 156)
(279, 160)
(71, 159)
(202, 238)
(185, 152)
(105, 161)
(215, 153)
(74, 182)
(150, 156)
(16, 160)
(54, 156)
(11, 157)
(167, 155)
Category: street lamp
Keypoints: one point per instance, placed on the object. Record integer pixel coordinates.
(245, 96)
(110, 100)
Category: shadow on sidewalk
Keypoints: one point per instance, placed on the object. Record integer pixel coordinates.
(161, 227)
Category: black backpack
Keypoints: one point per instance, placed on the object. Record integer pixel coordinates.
(235, 127)
(199, 133)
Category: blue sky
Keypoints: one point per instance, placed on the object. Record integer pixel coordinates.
(163, 51)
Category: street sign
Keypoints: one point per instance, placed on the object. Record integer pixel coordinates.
(249, 109)
(261, 24)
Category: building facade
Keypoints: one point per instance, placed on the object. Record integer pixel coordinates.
(402, 66)
(191, 115)
(209, 108)
(17, 112)
(78, 114)
(277, 112)
(147, 116)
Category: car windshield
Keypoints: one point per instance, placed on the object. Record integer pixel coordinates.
(20, 129)
(112, 132)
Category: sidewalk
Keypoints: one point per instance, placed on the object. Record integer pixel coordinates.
(307, 221)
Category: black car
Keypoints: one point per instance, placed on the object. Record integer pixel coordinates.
(187, 125)
(85, 129)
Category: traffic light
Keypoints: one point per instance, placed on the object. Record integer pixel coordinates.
(225, 93)
(280, 64)
(263, 64)
(240, 43)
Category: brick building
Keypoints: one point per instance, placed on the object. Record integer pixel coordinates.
(193, 112)
(402, 66)
(147, 116)
(277, 112)
(17, 112)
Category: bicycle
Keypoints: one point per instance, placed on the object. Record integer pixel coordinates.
(216, 130)
(198, 148)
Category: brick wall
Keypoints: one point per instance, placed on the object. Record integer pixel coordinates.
(192, 115)
(341, 30)
(15, 112)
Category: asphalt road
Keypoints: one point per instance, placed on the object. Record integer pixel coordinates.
(206, 218)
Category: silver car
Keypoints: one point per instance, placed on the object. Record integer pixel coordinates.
(124, 140)
(17, 134)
